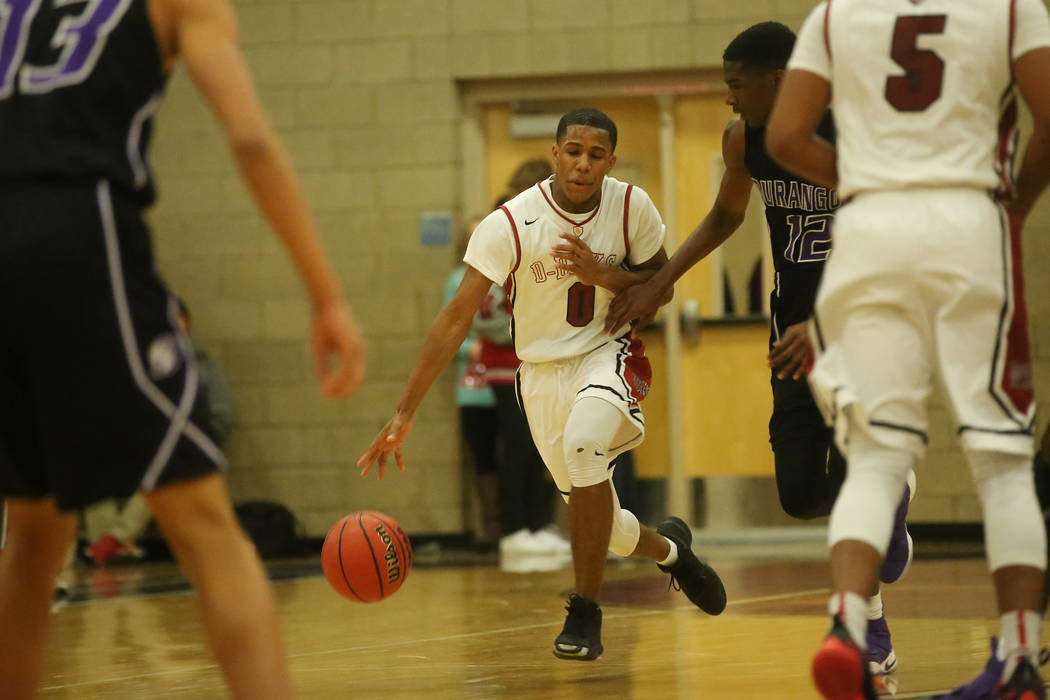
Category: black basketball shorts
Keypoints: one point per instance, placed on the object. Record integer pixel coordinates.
(98, 388)
(796, 416)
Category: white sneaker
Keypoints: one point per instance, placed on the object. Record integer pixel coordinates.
(531, 563)
(519, 542)
(552, 542)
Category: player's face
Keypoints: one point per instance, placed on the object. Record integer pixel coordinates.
(581, 160)
(751, 90)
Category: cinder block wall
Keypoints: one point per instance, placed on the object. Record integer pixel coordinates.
(364, 94)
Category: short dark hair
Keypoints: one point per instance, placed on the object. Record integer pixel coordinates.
(529, 173)
(762, 45)
(586, 116)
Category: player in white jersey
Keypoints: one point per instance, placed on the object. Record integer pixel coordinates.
(924, 281)
(563, 248)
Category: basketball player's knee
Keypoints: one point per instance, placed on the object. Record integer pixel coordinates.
(1012, 516)
(999, 469)
(586, 459)
(802, 478)
(801, 505)
(867, 502)
(625, 533)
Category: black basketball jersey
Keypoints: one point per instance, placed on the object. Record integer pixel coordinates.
(799, 215)
(79, 84)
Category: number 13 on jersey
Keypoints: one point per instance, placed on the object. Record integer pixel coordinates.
(81, 38)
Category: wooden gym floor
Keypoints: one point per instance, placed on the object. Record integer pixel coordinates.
(462, 628)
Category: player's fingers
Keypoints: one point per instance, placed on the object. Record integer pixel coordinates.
(781, 360)
(320, 355)
(793, 366)
(336, 381)
(353, 357)
(350, 373)
(572, 240)
(400, 460)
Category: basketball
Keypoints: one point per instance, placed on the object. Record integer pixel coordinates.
(366, 556)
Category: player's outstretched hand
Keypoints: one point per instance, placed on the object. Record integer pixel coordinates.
(335, 333)
(389, 440)
(576, 257)
(792, 355)
(640, 301)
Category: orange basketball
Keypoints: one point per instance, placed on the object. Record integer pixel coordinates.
(366, 556)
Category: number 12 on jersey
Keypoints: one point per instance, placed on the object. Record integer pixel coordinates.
(809, 238)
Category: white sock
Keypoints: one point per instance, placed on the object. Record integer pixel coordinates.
(875, 606)
(1019, 638)
(852, 609)
(672, 556)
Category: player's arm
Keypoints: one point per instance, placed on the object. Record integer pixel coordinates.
(734, 192)
(791, 137)
(204, 34)
(575, 256)
(1030, 71)
(443, 339)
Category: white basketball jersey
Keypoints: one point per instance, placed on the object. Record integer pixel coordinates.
(921, 89)
(556, 316)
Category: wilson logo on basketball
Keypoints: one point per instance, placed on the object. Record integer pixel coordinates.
(393, 562)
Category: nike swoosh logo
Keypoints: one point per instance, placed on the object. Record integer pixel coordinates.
(530, 223)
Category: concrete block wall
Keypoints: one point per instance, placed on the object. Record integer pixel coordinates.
(364, 94)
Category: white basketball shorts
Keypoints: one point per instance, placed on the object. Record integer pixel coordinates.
(921, 285)
(617, 372)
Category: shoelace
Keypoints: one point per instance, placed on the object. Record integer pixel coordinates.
(674, 584)
(677, 586)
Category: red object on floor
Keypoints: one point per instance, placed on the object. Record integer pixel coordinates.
(104, 549)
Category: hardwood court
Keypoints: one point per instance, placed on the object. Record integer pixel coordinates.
(467, 630)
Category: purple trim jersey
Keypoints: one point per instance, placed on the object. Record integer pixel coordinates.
(79, 84)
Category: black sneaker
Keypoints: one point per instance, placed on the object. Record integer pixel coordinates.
(581, 637)
(693, 577)
(839, 668)
(1024, 684)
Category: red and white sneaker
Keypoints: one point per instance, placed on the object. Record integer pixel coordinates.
(109, 547)
(840, 669)
(1024, 684)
